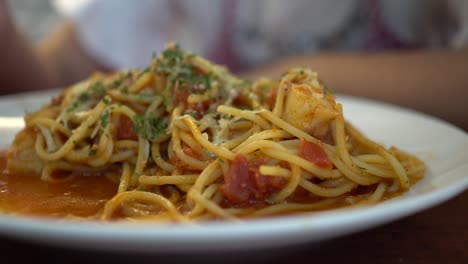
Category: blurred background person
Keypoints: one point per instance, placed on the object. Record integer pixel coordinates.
(412, 53)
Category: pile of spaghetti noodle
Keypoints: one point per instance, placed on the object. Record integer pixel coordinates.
(187, 140)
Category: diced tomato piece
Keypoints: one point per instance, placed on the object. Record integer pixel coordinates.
(314, 153)
(244, 185)
(181, 95)
(125, 128)
(238, 186)
(202, 107)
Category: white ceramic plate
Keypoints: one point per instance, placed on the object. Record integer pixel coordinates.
(443, 147)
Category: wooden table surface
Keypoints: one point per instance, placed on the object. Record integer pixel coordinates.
(437, 235)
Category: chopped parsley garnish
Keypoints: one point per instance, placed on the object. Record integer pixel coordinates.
(98, 89)
(148, 127)
(193, 114)
(105, 118)
(83, 97)
(117, 83)
(106, 101)
(92, 152)
(362, 168)
(73, 107)
(125, 90)
(180, 73)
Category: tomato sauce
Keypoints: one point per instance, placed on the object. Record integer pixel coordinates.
(28, 194)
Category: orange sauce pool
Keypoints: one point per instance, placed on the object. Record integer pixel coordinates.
(28, 195)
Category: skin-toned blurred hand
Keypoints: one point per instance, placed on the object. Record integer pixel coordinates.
(56, 62)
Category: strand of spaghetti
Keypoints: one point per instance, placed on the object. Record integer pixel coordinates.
(304, 164)
(125, 178)
(126, 143)
(104, 149)
(173, 179)
(211, 190)
(289, 188)
(49, 140)
(340, 137)
(207, 194)
(142, 82)
(122, 156)
(374, 170)
(376, 195)
(78, 155)
(400, 171)
(210, 206)
(156, 155)
(291, 144)
(359, 177)
(249, 115)
(78, 134)
(291, 129)
(352, 132)
(142, 159)
(278, 109)
(266, 134)
(327, 192)
(274, 171)
(51, 124)
(184, 187)
(120, 198)
(190, 141)
(50, 168)
(207, 176)
(242, 138)
(261, 144)
(358, 174)
(288, 207)
(219, 151)
(333, 183)
(370, 158)
(192, 162)
(237, 125)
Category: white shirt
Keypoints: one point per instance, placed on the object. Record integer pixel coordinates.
(125, 33)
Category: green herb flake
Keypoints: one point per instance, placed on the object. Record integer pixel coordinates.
(106, 101)
(98, 89)
(105, 118)
(73, 107)
(125, 90)
(92, 151)
(148, 127)
(362, 168)
(83, 97)
(193, 114)
(116, 83)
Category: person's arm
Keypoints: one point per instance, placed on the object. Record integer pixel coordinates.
(434, 82)
(56, 62)
(20, 66)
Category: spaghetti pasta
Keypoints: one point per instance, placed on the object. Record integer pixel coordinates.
(187, 140)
